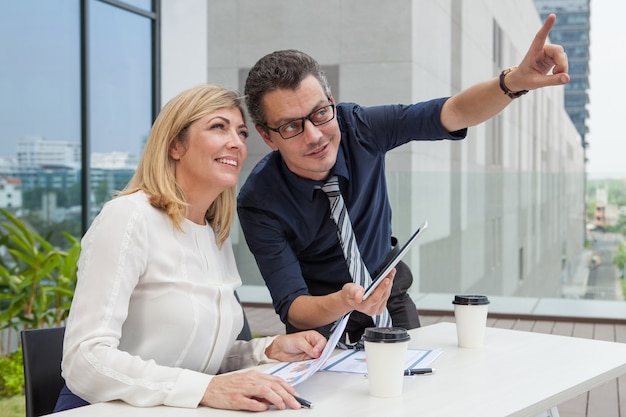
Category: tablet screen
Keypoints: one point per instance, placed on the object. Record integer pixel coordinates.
(394, 261)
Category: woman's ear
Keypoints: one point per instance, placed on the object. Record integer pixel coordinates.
(175, 150)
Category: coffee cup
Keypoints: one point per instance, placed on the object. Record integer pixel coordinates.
(470, 313)
(385, 355)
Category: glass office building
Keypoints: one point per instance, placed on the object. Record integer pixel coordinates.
(571, 30)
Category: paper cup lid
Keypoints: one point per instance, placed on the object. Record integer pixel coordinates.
(386, 335)
(470, 300)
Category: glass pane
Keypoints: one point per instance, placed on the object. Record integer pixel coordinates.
(142, 4)
(120, 97)
(40, 107)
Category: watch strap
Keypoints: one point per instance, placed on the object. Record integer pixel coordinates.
(511, 94)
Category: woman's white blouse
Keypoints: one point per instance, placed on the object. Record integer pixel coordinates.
(154, 314)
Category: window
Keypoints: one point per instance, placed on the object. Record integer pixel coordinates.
(120, 99)
(72, 105)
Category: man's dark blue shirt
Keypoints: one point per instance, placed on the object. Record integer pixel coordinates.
(286, 219)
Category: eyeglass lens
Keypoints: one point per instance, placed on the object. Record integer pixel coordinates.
(318, 117)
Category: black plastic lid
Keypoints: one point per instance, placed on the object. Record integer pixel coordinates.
(470, 300)
(386, 335)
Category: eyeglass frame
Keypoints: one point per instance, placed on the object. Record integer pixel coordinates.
(332, 105)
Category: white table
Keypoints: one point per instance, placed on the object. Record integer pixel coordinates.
(516, 373)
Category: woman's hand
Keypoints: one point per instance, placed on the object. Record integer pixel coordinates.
(256, 391)
(250, 391)
(296, 346)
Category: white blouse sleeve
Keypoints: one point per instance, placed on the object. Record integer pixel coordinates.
(244, 354)
(113, 257)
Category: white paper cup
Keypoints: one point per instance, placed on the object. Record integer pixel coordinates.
(470, 313)
(385, 353)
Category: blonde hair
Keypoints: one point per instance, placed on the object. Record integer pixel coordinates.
(155, 174)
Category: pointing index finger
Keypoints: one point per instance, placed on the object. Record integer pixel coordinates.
(542, 35)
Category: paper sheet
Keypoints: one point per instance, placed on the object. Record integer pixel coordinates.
(296, 372)
(349, 361)
(353, 361)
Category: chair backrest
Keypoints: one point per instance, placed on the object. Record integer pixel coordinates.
(246, 333)
(42, 350)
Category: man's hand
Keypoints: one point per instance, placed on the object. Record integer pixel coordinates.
(309, 312)
(544, 64)
(352, 295)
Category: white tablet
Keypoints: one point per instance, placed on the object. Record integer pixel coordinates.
(394, 261)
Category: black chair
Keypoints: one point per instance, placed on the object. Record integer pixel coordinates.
(246, 333)
(42, 351)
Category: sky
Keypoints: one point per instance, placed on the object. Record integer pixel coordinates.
(40, 75)
(606, 152)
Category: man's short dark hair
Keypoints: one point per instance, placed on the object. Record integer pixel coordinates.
(279, 70)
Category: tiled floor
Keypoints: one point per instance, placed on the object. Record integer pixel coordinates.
(608, 400)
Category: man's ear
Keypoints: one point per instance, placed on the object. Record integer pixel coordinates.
(266, 137)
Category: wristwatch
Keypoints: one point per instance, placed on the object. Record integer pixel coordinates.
(512, 94)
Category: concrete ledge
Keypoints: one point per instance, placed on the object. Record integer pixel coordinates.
(502, 306)
(254, 294)
(582, 309)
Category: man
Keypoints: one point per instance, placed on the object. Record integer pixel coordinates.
(284, 211)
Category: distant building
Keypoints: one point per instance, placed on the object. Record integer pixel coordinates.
(110, 172)
(114, 160)
(605, 214)
(36, 151)
(8, 166)
(55, 165)
(571, 30)
(10, 193)
(48, 173)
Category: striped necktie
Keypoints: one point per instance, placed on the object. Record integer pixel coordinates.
(358, 271)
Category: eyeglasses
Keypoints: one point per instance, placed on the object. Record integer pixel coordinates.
(293, 128)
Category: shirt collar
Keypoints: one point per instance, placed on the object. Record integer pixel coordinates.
(306, 187)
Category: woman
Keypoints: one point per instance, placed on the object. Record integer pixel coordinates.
(154, 317)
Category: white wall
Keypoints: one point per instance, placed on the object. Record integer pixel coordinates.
(184, 46)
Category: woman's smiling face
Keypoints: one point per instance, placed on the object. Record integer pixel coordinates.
(213, 152)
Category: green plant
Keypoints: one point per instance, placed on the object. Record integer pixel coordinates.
(37, 280)
(11, 374)
(620, 258)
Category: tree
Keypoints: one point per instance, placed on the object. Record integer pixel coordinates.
(620, 258)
